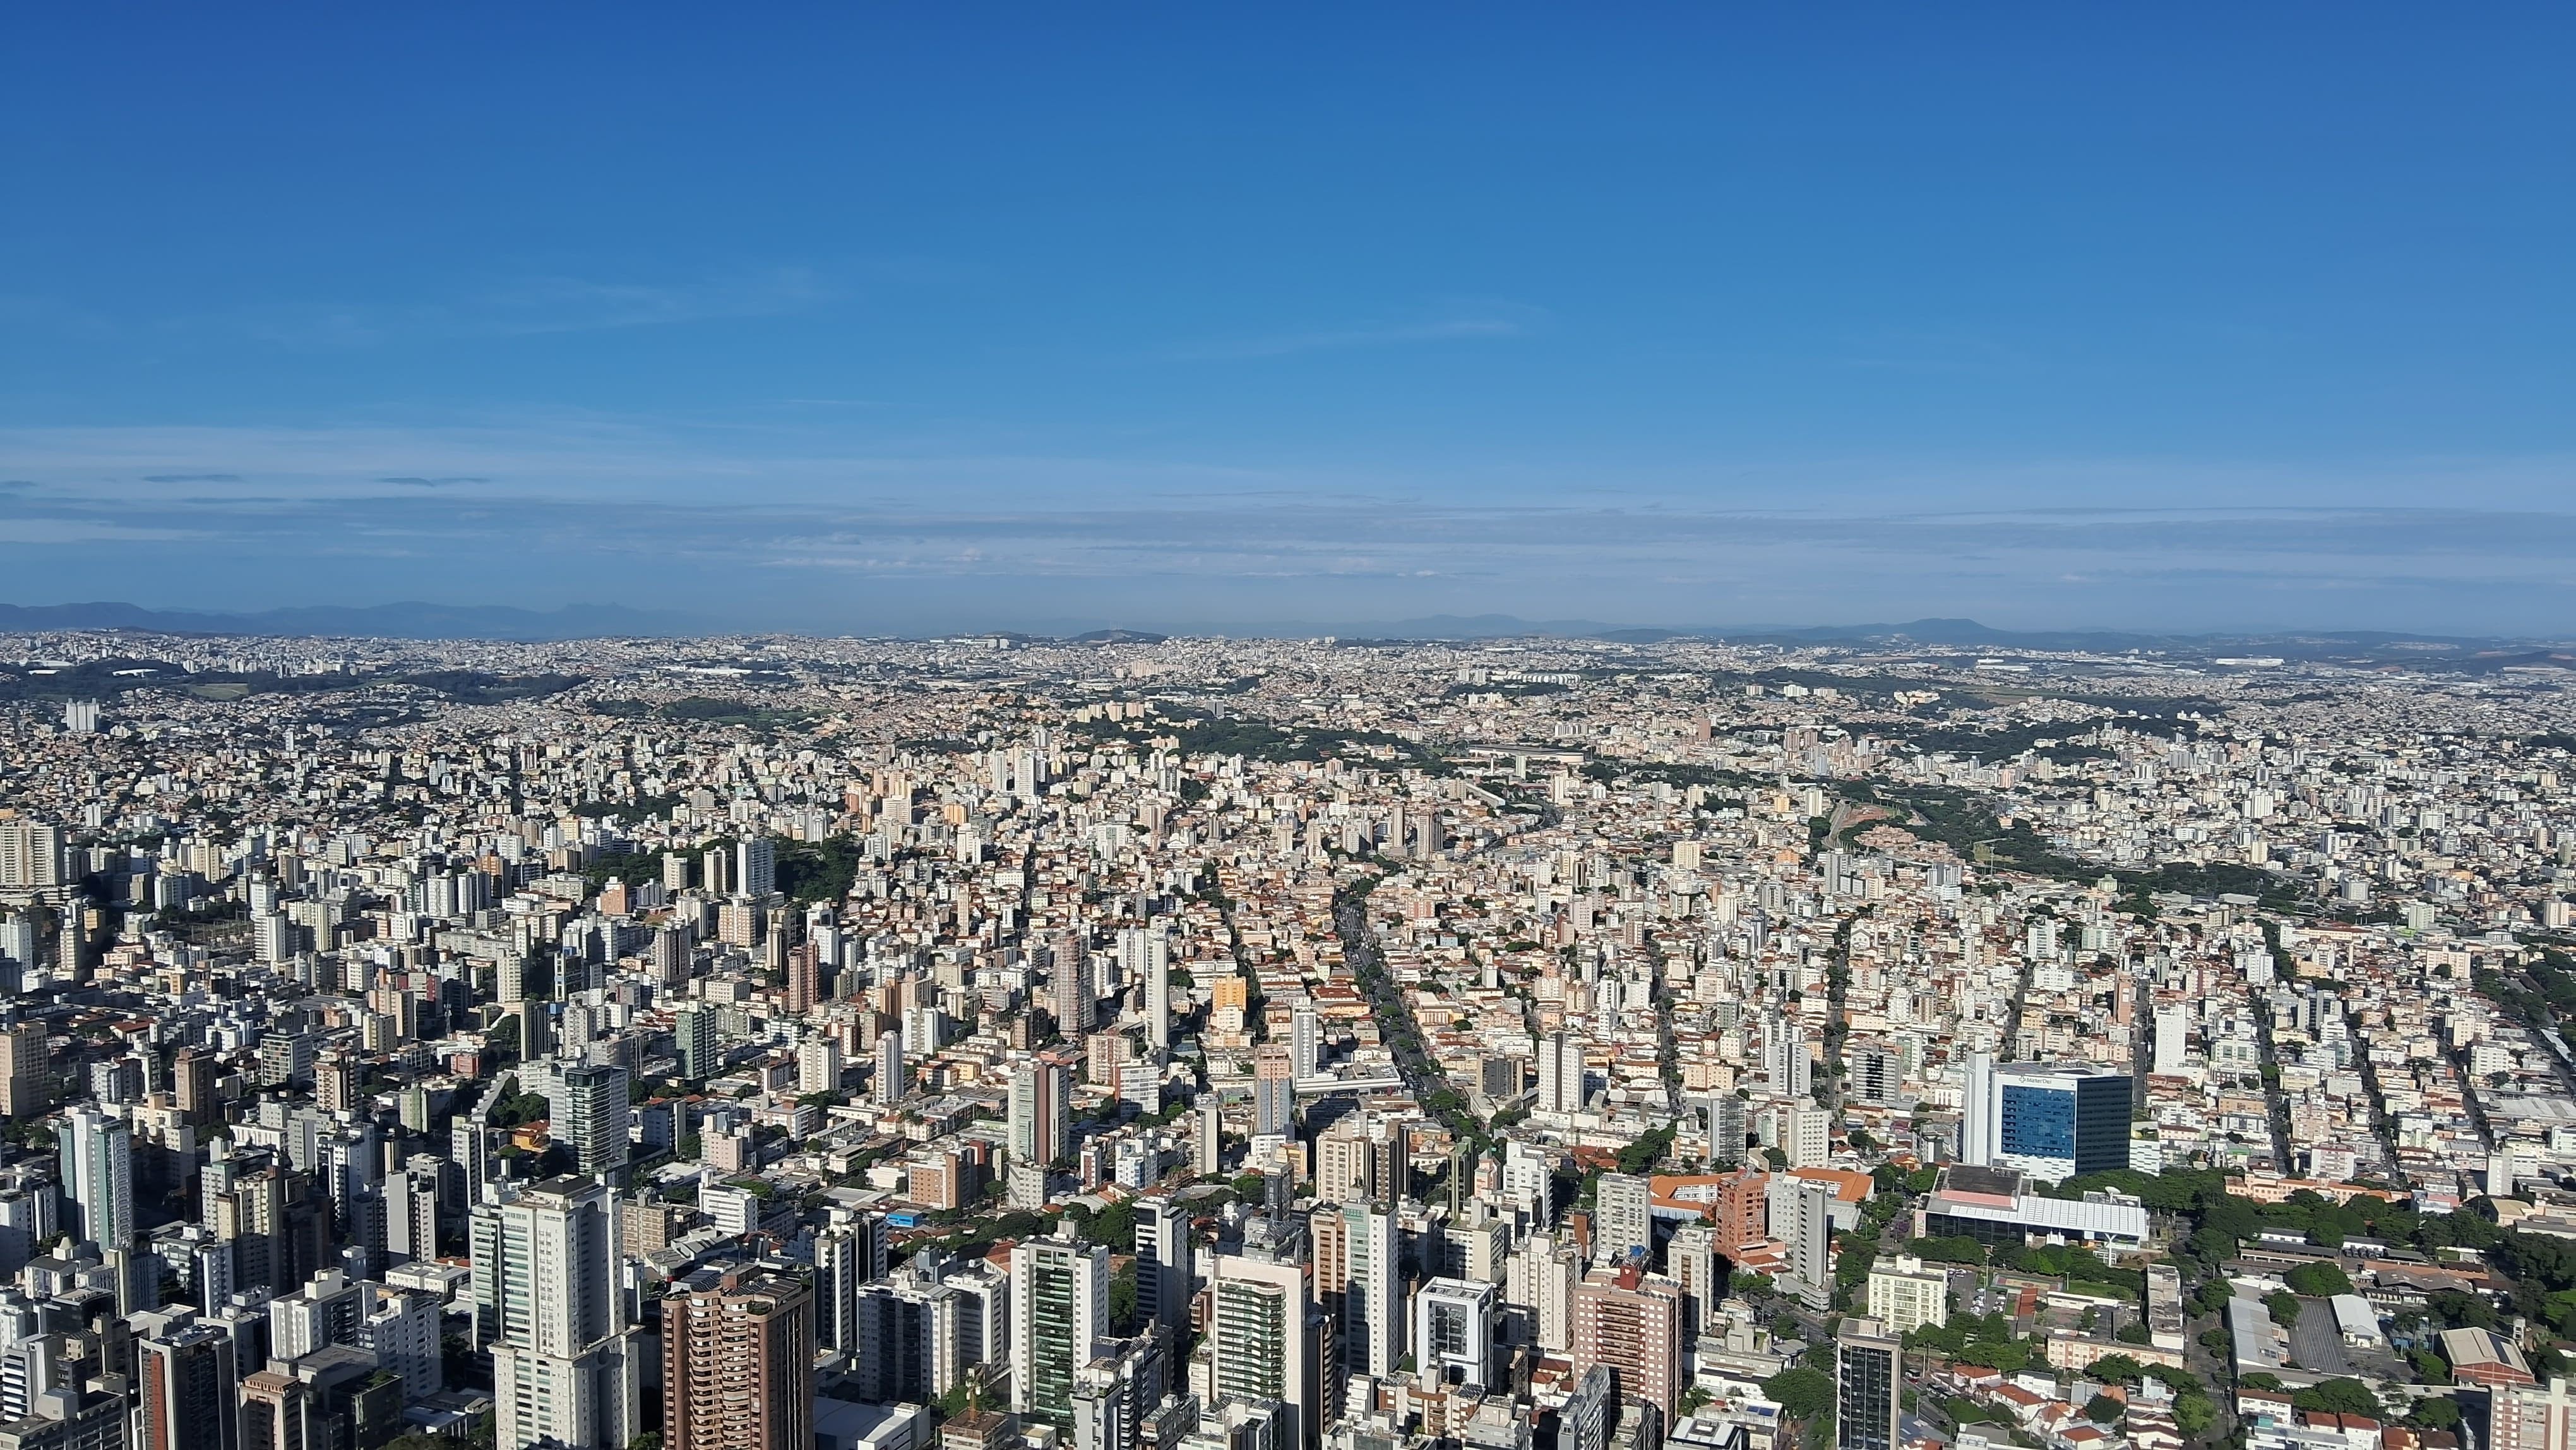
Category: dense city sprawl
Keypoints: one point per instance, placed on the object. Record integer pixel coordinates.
(1271, 1045)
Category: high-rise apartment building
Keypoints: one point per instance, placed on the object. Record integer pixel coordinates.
(31, 856)
(818, 1064)
(1059, 1308)
(848, 1253)
(804, 978)
(1359, 1280)
(889, 1084)
(1041, 1118)
(563, 1361)
(1453, 1332)
(1785, 1060)
(693, 1034)
(1630, 1323)
(2172, 1039)
(1561, 1074)
(20, 940)
(1166, 1263)
(897, 1354)
(1541, 1277)
(1807, 1135)
(98, 1177)
(1144, 955)
(1623, 1219)
(673, 954)
(1868, 1374)
(755, 866)
(192, 1080)
(1976, 1122)
(1810, 1235)
(411, 1211)
(188, 1389)
(1584, 1421)
(1305, 1042)
(1695, 1262)
(1069, 985)
(26, 1070)
(1274, 1091)
(1345, 1163)
(591, 1115)
(738, 1362)
(1877, 1074)
(1263, 1347)
(1740, 1209)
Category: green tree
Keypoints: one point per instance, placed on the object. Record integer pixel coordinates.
(2104, 1410)
(2318, 1280)
(2339, 1396)
(1122, 1300)
(2225, 1223)
(1642, 1155)
(1114, 1226)
(2284, 1307)
(1962, 1410)
(2176, 1379)
(2007, 1356)
(1801, 1393)
(1852, 1264)
(2439, 1412)
(2194, 1415)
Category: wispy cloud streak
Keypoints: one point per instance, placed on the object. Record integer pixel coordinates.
(1487, 323)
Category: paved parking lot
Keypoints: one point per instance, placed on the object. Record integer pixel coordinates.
(2315, 1344)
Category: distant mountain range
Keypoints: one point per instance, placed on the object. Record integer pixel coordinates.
(593, 621)
(1962, 634)
(382, 621)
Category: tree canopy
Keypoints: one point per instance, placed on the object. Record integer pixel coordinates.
(2339, 1396)
(1801, 1393)
(2318, 1280)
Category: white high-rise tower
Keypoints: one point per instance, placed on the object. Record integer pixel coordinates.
(564, 1367)
(1144, 954)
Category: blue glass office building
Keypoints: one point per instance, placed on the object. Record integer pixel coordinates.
(2056, 1122)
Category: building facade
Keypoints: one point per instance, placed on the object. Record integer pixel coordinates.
(738, 1362)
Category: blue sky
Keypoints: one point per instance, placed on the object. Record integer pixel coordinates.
(908, 318)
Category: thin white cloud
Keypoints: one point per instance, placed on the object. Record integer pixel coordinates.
(1480, 324)
(579, 304)
(532, 306)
